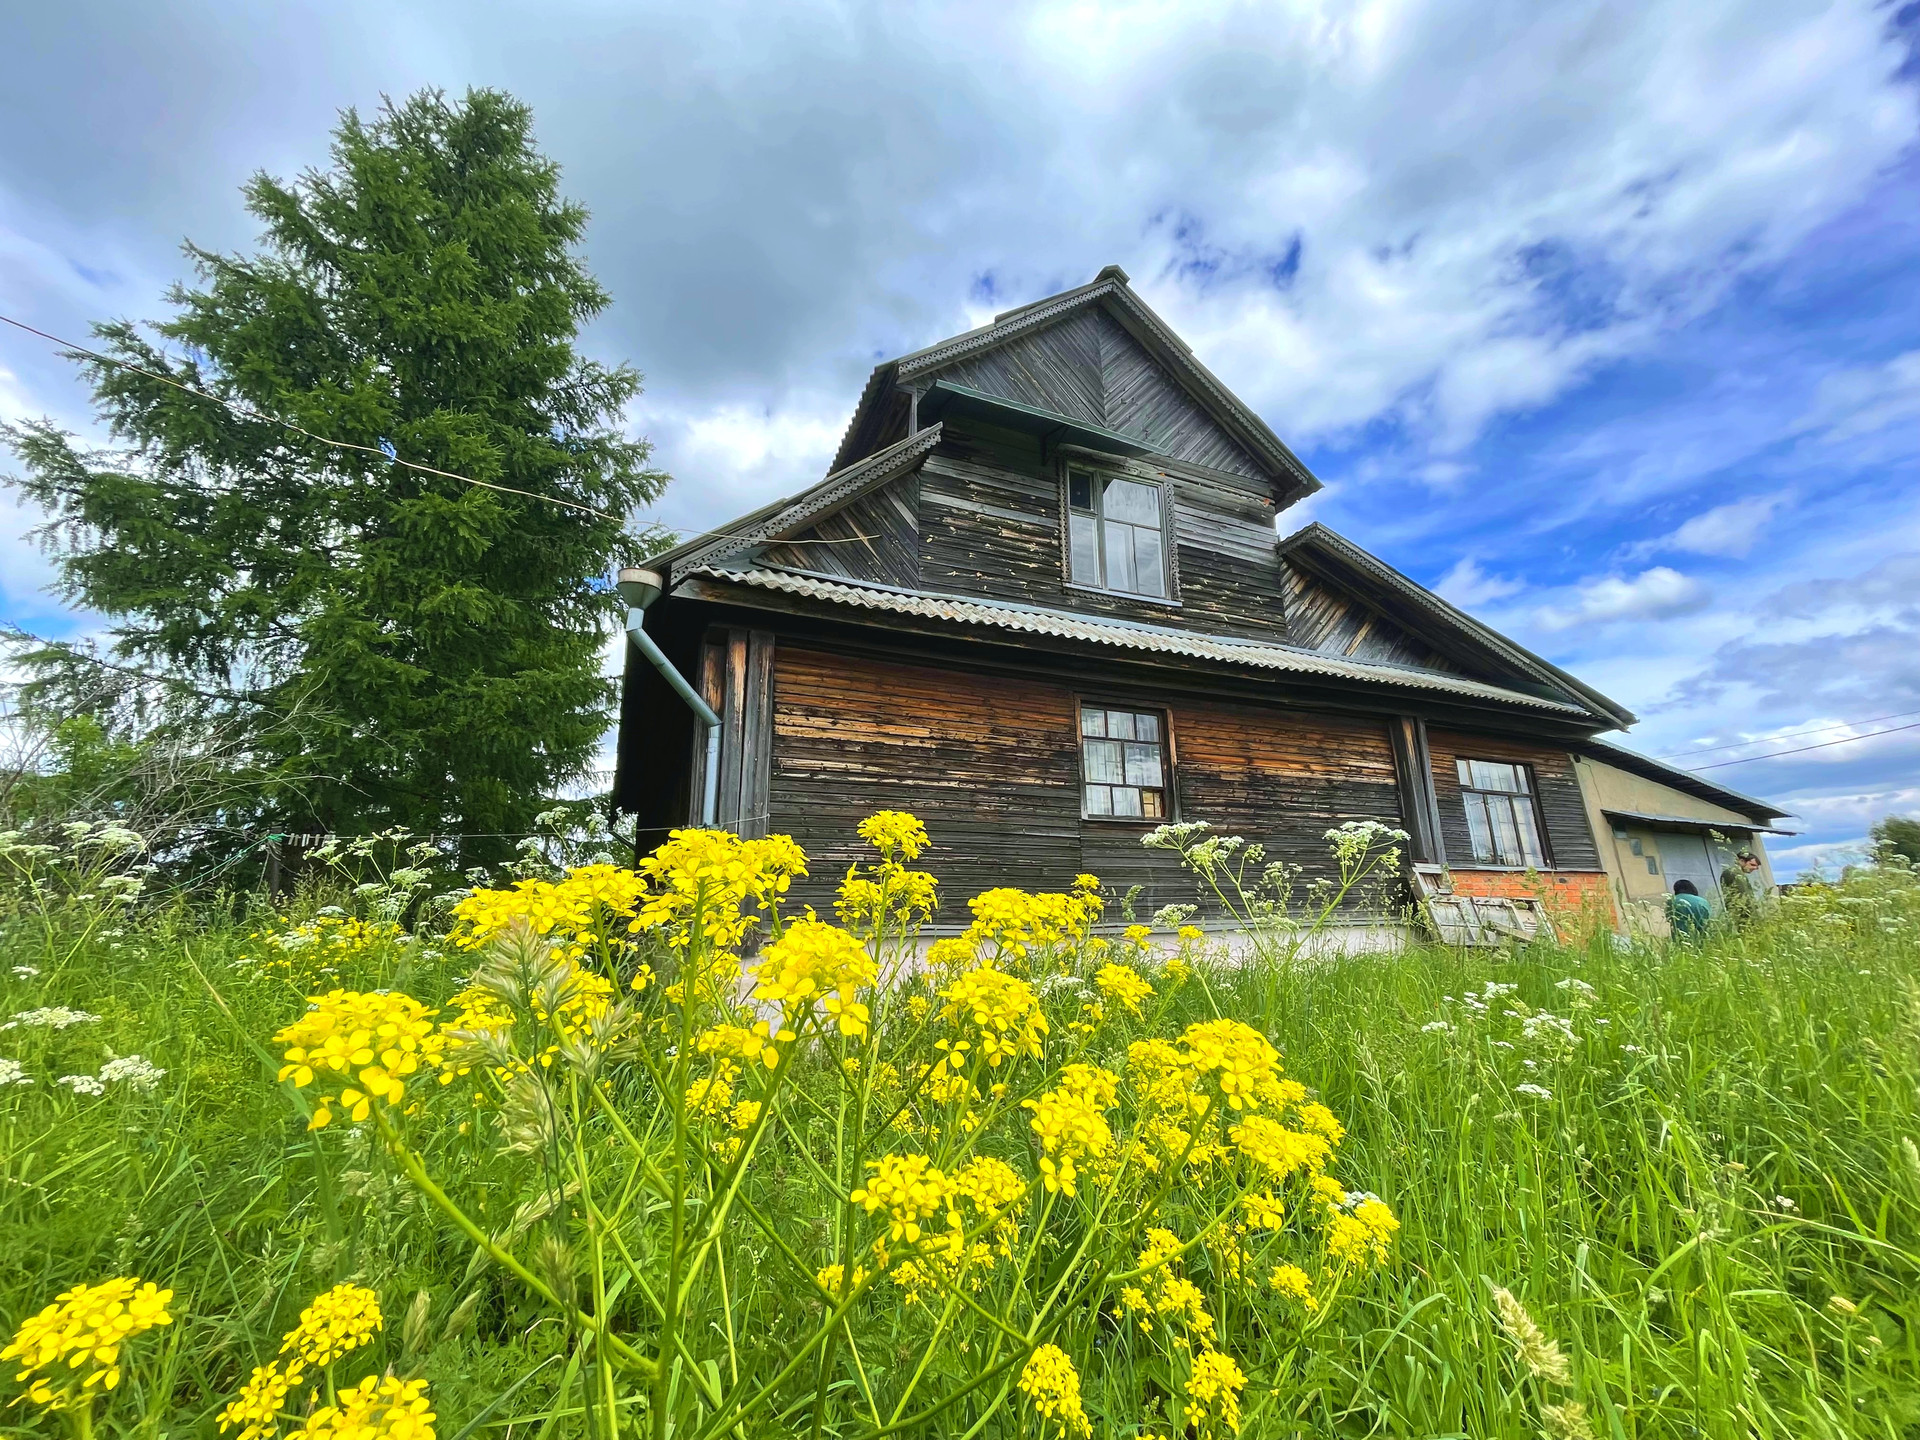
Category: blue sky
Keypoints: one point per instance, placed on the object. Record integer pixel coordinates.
(1601, 319)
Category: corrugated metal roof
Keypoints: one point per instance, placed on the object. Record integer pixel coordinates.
(1160, 639)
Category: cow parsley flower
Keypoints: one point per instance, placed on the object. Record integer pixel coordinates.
(82, 1084)
(136, 1073)
(13, 1073)
(50, 1017)
(1539, 1092)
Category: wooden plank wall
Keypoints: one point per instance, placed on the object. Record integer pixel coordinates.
(990, 525)
(1570, 842)
(1089, 368)
(736, 678)
(1330, 618)
(991, 764)
(876, 538)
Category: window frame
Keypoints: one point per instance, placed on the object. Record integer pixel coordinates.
(1103, 470)
(1169, 764)
(1532, 796)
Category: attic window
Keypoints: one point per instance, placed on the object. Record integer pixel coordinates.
(1116, 535)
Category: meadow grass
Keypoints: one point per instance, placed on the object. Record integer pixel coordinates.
(1707, 1200)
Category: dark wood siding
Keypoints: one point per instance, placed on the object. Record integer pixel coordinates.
(1328, 617)
(1089, 368)
(991, 764)
(990, 525)
(875, 537)
(1570, 841)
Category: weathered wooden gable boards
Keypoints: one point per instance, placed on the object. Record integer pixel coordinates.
(1087, 367)
(990, 525)
(992, 765)
(874, 537)
(1331, 618)
(1570, 842)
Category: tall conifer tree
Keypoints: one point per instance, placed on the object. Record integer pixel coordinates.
(418, 650)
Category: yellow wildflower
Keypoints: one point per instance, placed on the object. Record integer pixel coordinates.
(1214, 1388)
(910, 1189)
(337, 1322)
(1124, 984)
(1247, 1066)
(814, 961)
(262, 1400)
(712, 874)
(1291, 1281)
(894, 832)
(1052, 1386)
(1361, 1234)
(375, 1409)
(372, 1040)
(82, 1331)
(831, 1278)
(953, 953)
(1070, 1129)
(1003, 1010)
(1187, 934)
(1137, 934)
(1277, 1150)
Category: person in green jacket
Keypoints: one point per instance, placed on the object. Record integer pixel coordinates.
(1688, 913)
(1739, 891)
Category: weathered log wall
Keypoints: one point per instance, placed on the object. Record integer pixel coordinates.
(992, 765)
(1569, 836)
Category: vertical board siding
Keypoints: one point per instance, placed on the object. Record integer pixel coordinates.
(1332, 619)
(1570, 843)
(992, 765)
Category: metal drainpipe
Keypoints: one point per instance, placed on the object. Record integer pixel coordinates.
(640, 588)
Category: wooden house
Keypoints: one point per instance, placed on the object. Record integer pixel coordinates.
(1041, 601)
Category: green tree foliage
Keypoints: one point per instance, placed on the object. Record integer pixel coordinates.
(1896, 835)
(417, 650)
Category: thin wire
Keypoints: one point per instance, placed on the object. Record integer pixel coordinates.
(1802, 749)
(235, 408)
(1790, 735)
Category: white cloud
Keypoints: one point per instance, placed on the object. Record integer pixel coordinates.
(1730, 530)
(1865, 399)
(1467, 585)
(1657, 594)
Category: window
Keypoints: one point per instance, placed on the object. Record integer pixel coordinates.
(1123, 763)
(1114, 534)
(1500, 818)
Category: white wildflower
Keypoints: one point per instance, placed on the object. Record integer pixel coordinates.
(1784, 1203)
(1539, 1092)
(25, 972)
(1433, 1025)
(13, 1073)
(56, 1017)
(135, 1072)
(83, 1084)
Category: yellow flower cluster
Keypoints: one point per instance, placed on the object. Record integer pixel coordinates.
(1052, 1387)
(1164, 1294)
(811, 962)
(953, 953)
(831, 1278)
(316, 947)
(911, 1189)
(887, 894)
(262, 1400)
(1002, 1010)
(1123, 984)
(714, 874)
(570, 911)
(1016, 921)
(78, 1337)
(1359, 1229)
(1071, 1130)
(1278, 1151)
(335, 1324)
(1214, 1387)
(378, 1408)
(1248, 1068)
(369, 1041)
(1291, 1281)
(894, 833)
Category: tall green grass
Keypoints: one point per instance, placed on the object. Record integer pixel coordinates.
(1714, 1210)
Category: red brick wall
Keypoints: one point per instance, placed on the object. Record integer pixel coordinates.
(1577, 899)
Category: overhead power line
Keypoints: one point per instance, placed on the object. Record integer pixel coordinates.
(1790, 735)
(1802, 749)
(235, 408)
